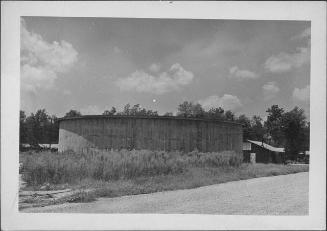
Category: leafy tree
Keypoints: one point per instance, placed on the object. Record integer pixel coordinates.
(73, 113)
(22, 127)
(189, 109)
(257, 128)
(293, 127)
(247, 129)
(31, 126)
(198, 111)
(54, 130)
(137, 110)
(252, 128)
(111, 112)
(168, 114)
(273, 124)
(306, 137)
(38, 125)
(216, 113)
(152, 113)
(229, 115)
(185, 109)
(42, 126)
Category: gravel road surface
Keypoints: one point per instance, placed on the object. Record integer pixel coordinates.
(278, 195)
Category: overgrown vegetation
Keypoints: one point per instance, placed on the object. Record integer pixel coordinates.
(194, 176)
(69, 167)
(191, 178)
(281, 129)
(118, 173)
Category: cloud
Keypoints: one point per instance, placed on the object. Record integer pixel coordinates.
(172, 80)
(155, 67)
(117, 50)
(236, 73)
(92, 110)
(67, 92)
(270, 90)
(227, 102)
(302, 94)
(304, 34)
(42, 62)
(284, 62)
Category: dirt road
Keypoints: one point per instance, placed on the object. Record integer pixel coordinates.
(278, 195)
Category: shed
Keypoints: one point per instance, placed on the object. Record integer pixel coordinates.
(265, 153)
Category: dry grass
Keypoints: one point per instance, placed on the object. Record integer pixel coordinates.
(191, 178)
(113, 174)
(70, 167)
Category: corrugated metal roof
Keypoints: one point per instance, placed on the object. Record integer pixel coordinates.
(267, 146)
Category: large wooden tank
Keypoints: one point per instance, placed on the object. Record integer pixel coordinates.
(153, 133)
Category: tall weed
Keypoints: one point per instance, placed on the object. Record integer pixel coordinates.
(68, 167)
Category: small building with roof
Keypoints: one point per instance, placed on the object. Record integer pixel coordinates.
(264, 153)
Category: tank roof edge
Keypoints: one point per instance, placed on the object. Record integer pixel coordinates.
(146, 117)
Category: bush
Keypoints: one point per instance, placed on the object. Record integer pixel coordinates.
(68, 167)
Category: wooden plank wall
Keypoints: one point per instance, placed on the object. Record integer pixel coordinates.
(149, 133)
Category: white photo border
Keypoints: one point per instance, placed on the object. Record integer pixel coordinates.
(10, 101)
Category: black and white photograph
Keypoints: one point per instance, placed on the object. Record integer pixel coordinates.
(165, 115)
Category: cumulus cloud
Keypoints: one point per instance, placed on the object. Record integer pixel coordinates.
(270, 90)
(284, 62)
(236, 73)
(92, 110)
(302, 94)
(155, 67)
(117, 50)
(41, 61)
(160, 83)
(304, 34)
(227, 102)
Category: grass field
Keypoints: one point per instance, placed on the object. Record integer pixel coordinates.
(113, 173)
(69, 167)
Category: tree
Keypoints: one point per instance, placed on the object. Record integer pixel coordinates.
(126, 110)
(273, 125)
(257, 128)
(38, 128)
(185, 109)
(306, 137)
(31, 127)
(22, 127)
(293, 127)
(246, 124)
(111, 112)
(73, 113)
(54, 130)
(229, 115)
(252, 128)
(216, 113)
(189, 109)
(197, 111)
(168, 114)
(135, 110)
(152, 113)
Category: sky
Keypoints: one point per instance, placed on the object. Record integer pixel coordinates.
(93, 64)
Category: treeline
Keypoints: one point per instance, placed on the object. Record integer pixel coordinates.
(38, 128)
(281, 129)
